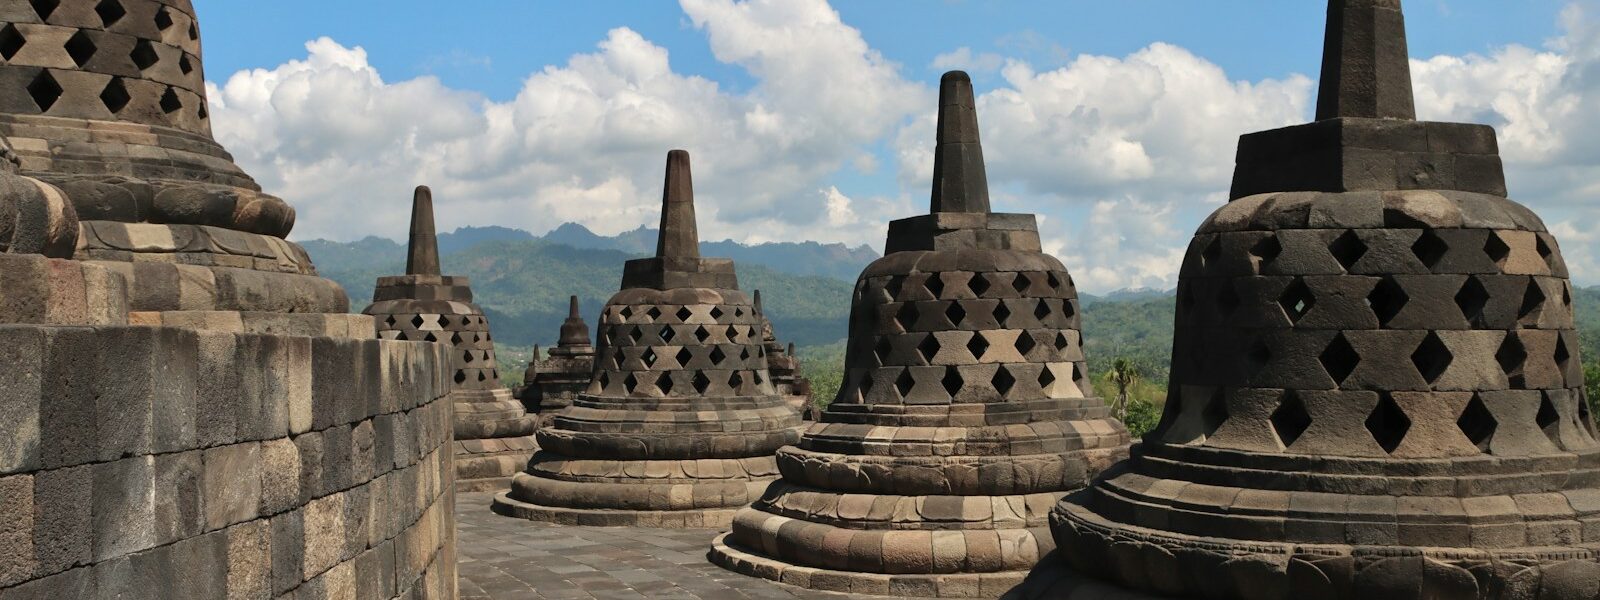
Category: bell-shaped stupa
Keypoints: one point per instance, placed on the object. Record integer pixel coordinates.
(493, 432)
(550, 384)
(680, 420)
(965, 413)
(107, 101)
(1375, 389)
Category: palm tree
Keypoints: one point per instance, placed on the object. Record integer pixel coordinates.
(1123, 374)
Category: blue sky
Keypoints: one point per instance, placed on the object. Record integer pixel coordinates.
(1113, 121)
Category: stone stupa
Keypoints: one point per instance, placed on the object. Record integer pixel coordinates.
(784, 367)
(493, 433)
(680, 420)
(550, 384)
(965, 413)
(1376, 390)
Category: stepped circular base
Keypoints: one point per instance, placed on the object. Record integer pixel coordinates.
(490, 470)
(711, 518)
(952, 585)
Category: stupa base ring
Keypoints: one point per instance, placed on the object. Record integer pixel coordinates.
(1151, 561)
(704, 518)
(488, 465)
(944, 585)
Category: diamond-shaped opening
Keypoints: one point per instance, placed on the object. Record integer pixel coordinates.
(1227, 298)
(744, 352)
(735, 380)
(1046, 377)
(717, 313)
(683, 356)
(649, 357)
(80, 48)
(891, 288)
(1347, 249)
(1290, 420)
(904, 383)
(430, 337)
(1055, 282)
(1020, 283)
(955, 313)
(1477, 423)
(110, 12)
(684, 313)
(44, 8)
(1549, 419)
(1472, 298)
(1339, 359)
(717, 355)
(467, 356)
(443, 321)
(882, 350)
(952, 381)
(1386, 300)
(1532, 300)
(455, 339)
(1430, 248)
(757, 376)
(11, 41)
(977, 345)
(1025, 343)
(667, 334)
(194, 31)
(389, 321)
(630, 382)
(979, 284)
(664, 383)
(1002, 380)
(482, 376)
(935, 284)
(604, 380)
(928, 347)
(700, 382)
(1562, 355)
(1496, 248)
(1041, 310)
(1512, 356)
(1296, 300)
(1387, 423)
(626, 312)
(400, 336)
(186, 65)
(461, 376)
(733, 333)
(654, 313)
(1216, 412)
(1432, 358)
(144, 54)
(1212, 252)
(416, 321)
(163, 19)
(907, 317)
(115, 96)
(634, 334)
(170, 102)
(1061, 341)
(1544, 248)
(1267, 249)
(1001, 313)
(44, 90)
(701, 334)
(738, 313)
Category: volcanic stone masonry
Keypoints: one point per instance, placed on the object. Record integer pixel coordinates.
(186, 409)
(680, 420)
(784, 367)
(549, 385)
(493, 432)
(1376, 388)
(965, 413)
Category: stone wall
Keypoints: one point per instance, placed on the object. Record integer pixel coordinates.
(161, 462)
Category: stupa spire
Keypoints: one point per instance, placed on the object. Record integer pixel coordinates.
(959, 181)
(1365, 66)
(679, 237)
(572, 307)
(422, 250)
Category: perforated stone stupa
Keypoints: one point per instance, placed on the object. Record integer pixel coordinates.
(784, 367)
(106, 100)
(680, 420)
(493, 432)
(551, 383)
(964, 416)
(1375, 389)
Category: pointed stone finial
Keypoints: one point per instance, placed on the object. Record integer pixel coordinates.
(535, 354)
(791, 349)
(422, 249)
(572, 307)
(759, 310)
(678, 237)
(959, 181)
(1366, 70)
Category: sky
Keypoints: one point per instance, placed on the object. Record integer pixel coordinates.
(1114, 122)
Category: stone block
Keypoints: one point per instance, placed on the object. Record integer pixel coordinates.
(17, 561)
(232, 484)
(288, 551)
(176, 374)
(336, 458)
(324, 535)
(297, 383)
(280, 476)
(63, 518)
(216, 408)
(191, 569)
(180, 496)
(68, 421)
(77, 583)
(249, 560)
(21, 391)
(124, 507)
(310, 447)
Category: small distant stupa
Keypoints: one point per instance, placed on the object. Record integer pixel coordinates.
(784, 367)
(550, 384)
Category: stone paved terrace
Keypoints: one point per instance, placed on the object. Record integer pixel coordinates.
(502, 558)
